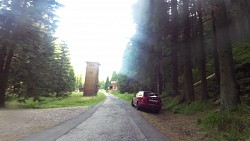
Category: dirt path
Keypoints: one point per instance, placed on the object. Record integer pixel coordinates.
(16, 124)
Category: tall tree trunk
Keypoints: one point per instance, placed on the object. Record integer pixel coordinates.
(188, 77)
(215, 54)
(202, 56)
(229, 92)
(159, 79)
(244, 6)
(174, 53)
(240, 31)
(3, 50)
(2, 90)
(173, 90)
(5, 67)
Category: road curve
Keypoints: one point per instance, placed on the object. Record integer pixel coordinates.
(112, 120)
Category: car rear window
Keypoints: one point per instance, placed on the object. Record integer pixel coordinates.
(149, 94)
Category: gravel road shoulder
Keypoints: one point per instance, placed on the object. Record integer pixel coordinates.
(178, 127)
(16, 124)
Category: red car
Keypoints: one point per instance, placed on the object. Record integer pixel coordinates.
(147, 100)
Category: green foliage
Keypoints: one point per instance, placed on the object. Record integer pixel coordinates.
(73, 100)
(143, 58)
(147, 54)
(194, 107)
(114, 76)
(127, 84)
(63, 74)
(241, 52)
(212, 87)
(126, 96)
(169, 103)
(184, 108)
(79, 82)
(107, 84)
(230, 126)
(37, 68)
(44, 74)
(102, 84)
(209, 70)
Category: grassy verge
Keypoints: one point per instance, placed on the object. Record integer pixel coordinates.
(74, 100)
(230, 126)
(126, 96)
(184, 108)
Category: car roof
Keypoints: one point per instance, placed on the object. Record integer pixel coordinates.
(145, 91)
(149, 92)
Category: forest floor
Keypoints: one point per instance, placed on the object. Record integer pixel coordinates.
(177, 127)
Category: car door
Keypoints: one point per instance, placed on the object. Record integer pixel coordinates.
(135, 99)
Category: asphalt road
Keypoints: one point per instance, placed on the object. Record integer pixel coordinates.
(112, 120)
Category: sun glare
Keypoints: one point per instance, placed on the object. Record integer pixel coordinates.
(96, 30)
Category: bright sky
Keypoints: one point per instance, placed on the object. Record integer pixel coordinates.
(96, 30)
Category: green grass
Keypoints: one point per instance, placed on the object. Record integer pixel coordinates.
(230, 126)
(74, 100)
(184, 108)
(126, 96)
(241, 53)
(172, 104)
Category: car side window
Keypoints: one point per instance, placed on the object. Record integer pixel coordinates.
(137, 95)
(141, 94)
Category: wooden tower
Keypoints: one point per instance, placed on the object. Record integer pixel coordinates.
(91, 79)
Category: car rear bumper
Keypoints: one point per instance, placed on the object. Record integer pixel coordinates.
(150, 107)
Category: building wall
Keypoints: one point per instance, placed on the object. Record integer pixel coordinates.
(91, 79)
(114, 85)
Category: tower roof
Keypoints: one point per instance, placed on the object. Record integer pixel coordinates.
(88, 62)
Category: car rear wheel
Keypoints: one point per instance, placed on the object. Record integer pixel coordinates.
(132, 103)
(137, 106)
